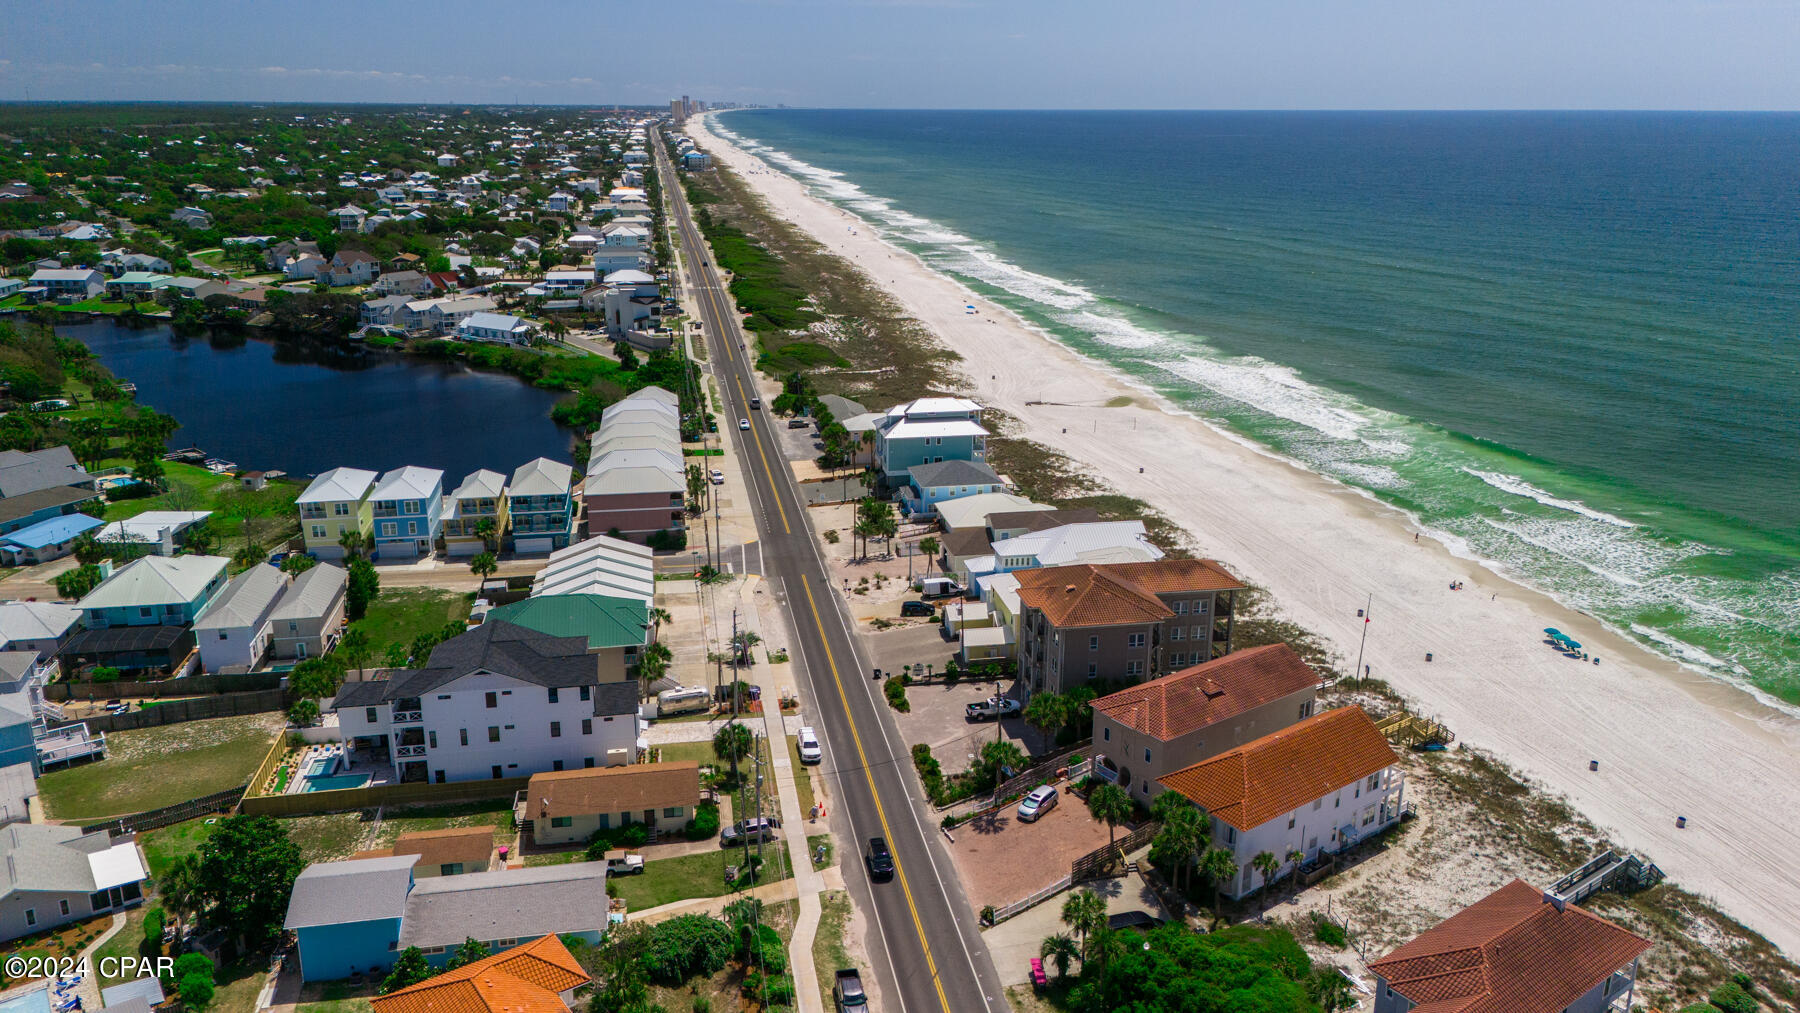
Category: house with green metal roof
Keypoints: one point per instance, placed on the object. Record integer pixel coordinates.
(616, 628)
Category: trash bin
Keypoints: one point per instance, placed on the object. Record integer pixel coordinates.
(1427, 655)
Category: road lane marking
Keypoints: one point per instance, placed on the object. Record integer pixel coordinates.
(874, 793)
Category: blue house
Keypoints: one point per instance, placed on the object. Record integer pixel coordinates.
(407, 505)
(542, 509)
(45, 540)
(926, 431)
(931, 484)
(17, 743)
(359, 915)
(155, 591)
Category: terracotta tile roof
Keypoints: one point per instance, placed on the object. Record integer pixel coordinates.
(1205, 694)
(613, 789)
(524, 979)
(1284, 770)
(469, 845)
(1092, 594)
(1510, 952)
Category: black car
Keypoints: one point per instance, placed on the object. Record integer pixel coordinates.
(1142, 920)
(912, 607)
(881, 860)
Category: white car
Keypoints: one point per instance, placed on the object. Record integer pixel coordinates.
(717, 476)
(1041, 800)
(743, 424)
(810, 751)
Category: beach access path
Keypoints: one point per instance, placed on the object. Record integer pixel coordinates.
(1669, 742)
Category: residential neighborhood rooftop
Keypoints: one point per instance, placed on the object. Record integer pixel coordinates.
(525, 979)
(1208, 693)
(612, 789)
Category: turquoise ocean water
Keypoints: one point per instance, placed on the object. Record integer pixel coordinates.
(1565, 342)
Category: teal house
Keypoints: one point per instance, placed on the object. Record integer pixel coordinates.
(346, 916)
(927, 431)
(542, 506)
(155, 591)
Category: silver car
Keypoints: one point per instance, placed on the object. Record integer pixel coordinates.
(1041, 800)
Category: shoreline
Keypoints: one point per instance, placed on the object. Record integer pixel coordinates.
(1341, 545)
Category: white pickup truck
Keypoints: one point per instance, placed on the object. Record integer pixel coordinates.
(623, 863)
(992, 708)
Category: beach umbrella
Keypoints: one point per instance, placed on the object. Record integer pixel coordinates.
(1570, 644)
(1554, 632)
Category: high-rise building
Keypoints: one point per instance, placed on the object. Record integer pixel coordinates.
(687, 106)
(675, 108)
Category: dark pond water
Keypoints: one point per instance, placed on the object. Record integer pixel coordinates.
(305, 407)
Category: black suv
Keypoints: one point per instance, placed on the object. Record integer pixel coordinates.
(913, 607)
(881, 860)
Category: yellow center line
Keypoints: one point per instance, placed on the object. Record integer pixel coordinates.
(776, 493)
(880, 812)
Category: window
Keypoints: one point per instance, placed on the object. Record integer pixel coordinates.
(63, 905)
(318, 531)
(224, 636)
(673, 812)
(605, 821)
(1134, 668)
(1374, 780)
(1177, 633)
(1290, 821)
(369, 714)
(412, 527)
(1135, 640)
(493, 733)
(1106, 735)
(1146, 756)
(553, 694)
(587, 726)
(340, 509)
(587, 692)
(555, 764)
(389, 528)
(588, 762)
(497, 773)
(1230, 834)
(464, 732)
(1093, 643)
(450, 869)
(144, 612)
(562, 821)
(1316, 803)
(431, 736)
(1306, 709)
(293, 627)
(493, 700)
(1093, 670)
(556, 729)
(412, 506)
(1202, 607)
(31, 916)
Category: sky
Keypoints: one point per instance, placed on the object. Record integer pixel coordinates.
(987, 54)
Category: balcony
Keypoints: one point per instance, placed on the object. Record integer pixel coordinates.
(408, 717)
(405, 751)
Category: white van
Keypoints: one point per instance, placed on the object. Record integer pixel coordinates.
(682, 701)
(939, 587)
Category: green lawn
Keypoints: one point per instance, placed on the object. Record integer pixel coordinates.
(127, 942)
(328, 838)
(200, 485)
(399, 615)
(335, 997)
(667, 880)
(153, 767)
(802, 776)
(555, 858)
(829, 953)
(335, 1006)
(162, 847)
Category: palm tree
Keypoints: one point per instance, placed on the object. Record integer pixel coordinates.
(1047, 712)
(658, 616)
(483, 565)
(1110, 804)
(1059, 949)
(489, 532)
(356, 649)
(1220, 866)
(930, 546)
(1084, 911)
(1294, 857)
(1182, 831)
(1267, 865)
(351, 541)
(1001, 757)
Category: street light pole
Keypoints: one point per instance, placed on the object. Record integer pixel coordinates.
(1357, 675)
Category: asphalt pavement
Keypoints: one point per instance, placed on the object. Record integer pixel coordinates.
(926, 946)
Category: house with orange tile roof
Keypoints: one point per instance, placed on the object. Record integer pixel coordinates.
(1146, 731)
(538, 977)
(1318, 787)
(1517, 950)
(1122, 622)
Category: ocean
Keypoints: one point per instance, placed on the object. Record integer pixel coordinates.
(1564, 342)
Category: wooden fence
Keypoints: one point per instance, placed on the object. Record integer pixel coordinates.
(193, 685)
(1041, 772)
(169, 815)
(1099, 862)
(177, 711)
(311, 803)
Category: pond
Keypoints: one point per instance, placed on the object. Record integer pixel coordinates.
(305, 407)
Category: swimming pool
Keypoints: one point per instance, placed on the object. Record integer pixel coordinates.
(322, 766)
(330, 783)
(31, 1002)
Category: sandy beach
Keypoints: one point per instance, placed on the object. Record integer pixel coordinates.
(1669, 741)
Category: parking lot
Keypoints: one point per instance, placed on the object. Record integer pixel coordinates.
(1001, 859)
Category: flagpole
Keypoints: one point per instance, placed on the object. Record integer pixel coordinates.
(1357, 675)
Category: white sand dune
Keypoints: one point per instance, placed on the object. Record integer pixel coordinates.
(1669, 741)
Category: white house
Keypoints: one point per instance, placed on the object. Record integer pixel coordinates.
(611, 259)
(350, 218)
(495, 327)
(75, 283)
(559, 201)
(498, 701)
(234, 630)
(1317, 787)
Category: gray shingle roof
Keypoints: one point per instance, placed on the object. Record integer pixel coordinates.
(507, 904)
(505, 649)
(361, 890)
(311, 593)
(245, 601)
(942, 473)
(32, 471)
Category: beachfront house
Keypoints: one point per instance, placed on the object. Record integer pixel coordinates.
(1517, 950)
(155, 591)
(1316, 787)
(539, 976)
(1153, 729)
(406, 506)
(408, 283)
(480, 498)
(496, 327)
(498, 701)
(57, 875)
(335, 503)
(357, 916)
(612, 259)
(617, 627)
(931, 484)
(542, 505)
(1119, 621)
(926, 431)
(136, 286)
(308, 617)
(570, 806)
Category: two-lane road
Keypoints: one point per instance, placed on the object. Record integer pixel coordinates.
(926, 949)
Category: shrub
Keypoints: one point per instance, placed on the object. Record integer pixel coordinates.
(153, 930)
(1330, 933)
(631, 835)
(705, 823)
(895, 689)
(104, 673)
(1732, 998)
(685, 946)
(1700, 1007)
(831, 535)
(196, 991)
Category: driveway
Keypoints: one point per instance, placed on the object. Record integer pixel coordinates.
(1015, 941)
(1002, 860)
(937, 720)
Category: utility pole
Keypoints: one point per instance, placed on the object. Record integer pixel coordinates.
(1357, 675)
(999, 716)
(735, 681)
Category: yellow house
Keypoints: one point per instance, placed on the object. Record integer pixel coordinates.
(481, 496)
(336, 502)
